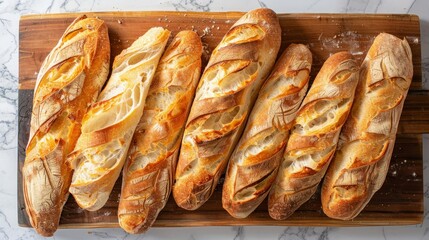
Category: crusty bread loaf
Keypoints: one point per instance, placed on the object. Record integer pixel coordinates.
(366, 142)
(109, 124)
(314, 136)
(148, 171)
(253, 166)
(69, 80)
(226, 92)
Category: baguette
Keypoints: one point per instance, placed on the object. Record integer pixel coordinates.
(69, 80)
(314, 136)
(253, 166)
(226, 92)
(109, 124)
(148, 171)
(367, 140)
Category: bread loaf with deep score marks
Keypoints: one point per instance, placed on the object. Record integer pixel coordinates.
(69, 80)
(226, 92)
(150, 166)
(368, 137)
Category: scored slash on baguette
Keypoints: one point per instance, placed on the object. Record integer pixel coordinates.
(148, 171)
(225, 94)
(109, 124)
(253, 166)
(368, 137)
(69, 80)
(314, 136)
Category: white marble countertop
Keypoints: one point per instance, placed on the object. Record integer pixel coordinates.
(11, 10)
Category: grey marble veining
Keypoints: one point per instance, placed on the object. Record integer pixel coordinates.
(11, 10)
(187, 5)
(8, 89)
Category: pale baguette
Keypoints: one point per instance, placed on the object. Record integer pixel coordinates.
(314, 136)
(69, 80)
(148, 171)
(109, 124)
(253, 166)
(366, 142)
(226, 92)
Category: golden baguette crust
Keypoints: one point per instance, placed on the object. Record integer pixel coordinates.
(366, 142)
(253, 166)
(226, 92)
(148, 171)
(69, 80)
(109, 124)
(314, 136)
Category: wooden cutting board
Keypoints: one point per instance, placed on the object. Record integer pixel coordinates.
(399, 202)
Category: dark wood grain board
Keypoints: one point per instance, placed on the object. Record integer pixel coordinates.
(399, 202)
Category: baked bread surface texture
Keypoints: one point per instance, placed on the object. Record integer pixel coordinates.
(225, 94)
(254, 163)
(109, 124)
(368, 137)
(314, 136)
(149, 168)
(69, 80)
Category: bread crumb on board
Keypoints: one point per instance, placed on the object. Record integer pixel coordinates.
(206, 31)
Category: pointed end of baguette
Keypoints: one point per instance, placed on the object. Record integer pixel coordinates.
(89, 202)
(133, 223)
